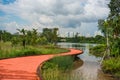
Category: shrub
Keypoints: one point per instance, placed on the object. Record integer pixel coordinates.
(98, 50)
(112, 66)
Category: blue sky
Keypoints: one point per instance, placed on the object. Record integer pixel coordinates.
(7, 1)
(68, 15)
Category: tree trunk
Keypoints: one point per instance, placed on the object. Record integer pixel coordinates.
(24, 43)
(108, 45)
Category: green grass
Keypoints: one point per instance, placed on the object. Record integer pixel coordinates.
(7, 51)
(64, 62)
(56, 74)
(59, 68)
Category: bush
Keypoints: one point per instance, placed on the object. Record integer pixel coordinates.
(98, 50)
(115, 48)
(112, 66)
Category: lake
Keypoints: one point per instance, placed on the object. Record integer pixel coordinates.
(90, 68)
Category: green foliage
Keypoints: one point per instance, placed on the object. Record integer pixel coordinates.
(51, 35)
(114, 16)
(32, 37)
(112, 66)
(56, 74)
(111, 29)
(98, 50)
(115, 48)
(23, 36)
(7, 51)
(18, 53)
(15, 41)
(5, 36)
(102, 27)
(58, 68)
(99, 39)
(52, 50)
(28, 52)
(64, 62)
(83, 39)
(114, 6)
(42, 40)
(48, 65)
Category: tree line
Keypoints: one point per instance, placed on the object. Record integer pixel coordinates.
(30, 37)
(82, 39)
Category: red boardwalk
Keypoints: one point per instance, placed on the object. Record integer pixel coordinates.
(25, 68)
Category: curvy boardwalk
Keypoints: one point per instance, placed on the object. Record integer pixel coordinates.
(25, 68)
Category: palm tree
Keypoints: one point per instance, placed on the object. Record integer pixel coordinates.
(34, 36)
(23, 31)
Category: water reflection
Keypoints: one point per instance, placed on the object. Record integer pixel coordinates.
(90, 69)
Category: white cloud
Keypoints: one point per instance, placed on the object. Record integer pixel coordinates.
(45, 19)
(84, 29)
(96, 9)
(11, 27)
(62, 13)
(82, 10)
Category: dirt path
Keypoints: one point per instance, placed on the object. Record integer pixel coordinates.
(25, 68)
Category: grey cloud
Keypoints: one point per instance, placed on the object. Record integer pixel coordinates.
(69, 23)
(65, 8)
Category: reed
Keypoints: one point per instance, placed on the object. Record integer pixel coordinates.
(59, 68)
(8, 51)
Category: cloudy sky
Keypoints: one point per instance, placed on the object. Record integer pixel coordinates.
(68, 15)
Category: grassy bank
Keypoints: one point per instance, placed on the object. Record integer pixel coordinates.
(98, 50)
(7, 51)
(59, 68)
(111, 65)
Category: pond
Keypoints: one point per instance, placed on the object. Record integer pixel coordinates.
(90, 69)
